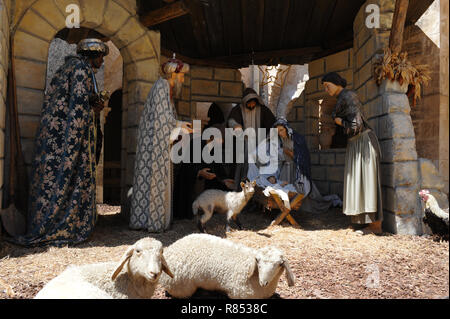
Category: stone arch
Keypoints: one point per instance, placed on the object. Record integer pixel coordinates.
(116, 19)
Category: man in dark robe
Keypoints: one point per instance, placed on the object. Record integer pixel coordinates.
(252, 113)
(62, 208)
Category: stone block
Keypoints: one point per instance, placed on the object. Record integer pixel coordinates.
(402, 225)
(337, 188)
(131, 139)
(337, 62)
(402, 200)
(29, 101)
(201, 73)
(2, 113)
(311, 86)
(2, 147)
(224, 74)
(319, 173)
(324, 187)
(183, 108)
(30, 74)
(31, 47)
(396, 102)
(234, 89)
(204, 87)
(398, 150)
(146, 70)
(130, 32)
(34, 24)
(27, 149)
(3, 84)
(388, 86)
(138, 92)
(400, 174)
(93, 12)
(28, 126)
(372, 88)
(300, 113)
(54, 17)
(340, 158)
(141, 49)
(347, 74)
(113, 19)
(335, 173)
(327, 158)
(130, 169)
(430, 176)
(316, 68)
(315, 158)
(395, 125)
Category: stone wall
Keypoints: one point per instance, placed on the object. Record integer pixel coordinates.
(443, 95)
(4, 61)
(35, 24)
(327, 165)
(388, 110)
(207, 84)
(420, 38)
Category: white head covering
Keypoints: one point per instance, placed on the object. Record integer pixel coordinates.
(174, 66)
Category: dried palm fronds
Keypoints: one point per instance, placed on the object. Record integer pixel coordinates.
(396, 67)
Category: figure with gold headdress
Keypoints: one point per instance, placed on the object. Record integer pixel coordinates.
(151, 199)
(62, 207)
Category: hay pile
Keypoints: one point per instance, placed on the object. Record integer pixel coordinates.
(327, 258)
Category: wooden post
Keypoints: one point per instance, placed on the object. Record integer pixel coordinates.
(398, 25)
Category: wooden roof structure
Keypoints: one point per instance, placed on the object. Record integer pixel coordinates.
(235, 33)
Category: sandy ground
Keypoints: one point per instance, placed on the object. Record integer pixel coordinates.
(327, 258)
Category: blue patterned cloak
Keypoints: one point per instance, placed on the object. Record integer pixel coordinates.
(151, 200)
(62, 206)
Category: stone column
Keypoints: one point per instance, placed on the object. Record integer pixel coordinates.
(4, 49)
(443, 89)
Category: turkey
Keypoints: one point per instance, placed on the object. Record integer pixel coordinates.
(435, 217)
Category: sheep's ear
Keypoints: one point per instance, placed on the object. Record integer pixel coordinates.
(165, 267)
(289, 275)
(254, 183)
(122, 262)
(253, 268)
(242, 184)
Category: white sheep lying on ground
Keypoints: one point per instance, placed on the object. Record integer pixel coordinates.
(107, 280)
(216, 264)
(220, 201)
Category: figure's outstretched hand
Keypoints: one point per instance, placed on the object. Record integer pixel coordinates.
(187, 127)
(206, 174)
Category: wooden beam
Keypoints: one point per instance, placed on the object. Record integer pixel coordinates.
(166, 13)
(199, 26)
(398, 25)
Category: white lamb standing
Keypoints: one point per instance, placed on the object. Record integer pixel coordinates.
(215, 264)
(145, 262)
(230, 203)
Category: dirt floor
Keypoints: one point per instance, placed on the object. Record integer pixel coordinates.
(327, 258)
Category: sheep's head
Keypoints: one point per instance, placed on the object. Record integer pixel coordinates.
(145, 261)
(248, 188)
(270, 262)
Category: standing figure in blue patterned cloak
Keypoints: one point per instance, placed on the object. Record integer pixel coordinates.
(62, 207)
(151, 199)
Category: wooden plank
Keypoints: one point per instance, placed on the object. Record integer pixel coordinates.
(199, 28)
(214, 25)
(166, 13)
(275, 18)
(398, 25)
(285, 212)
(283, 209)
(232, 26)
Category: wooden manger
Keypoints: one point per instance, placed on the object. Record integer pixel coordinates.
(274, 202)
